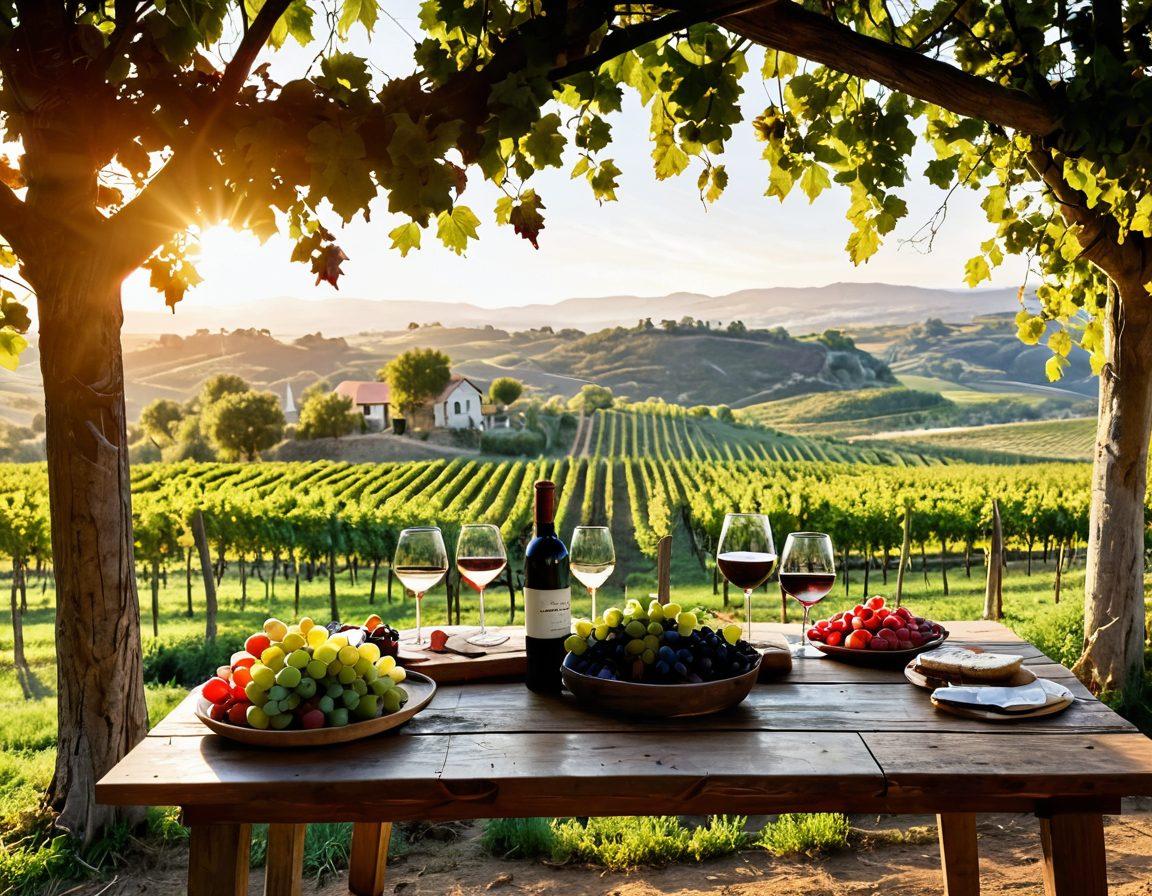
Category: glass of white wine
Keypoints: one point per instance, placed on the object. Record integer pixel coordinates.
(592, 558)
(421, 561)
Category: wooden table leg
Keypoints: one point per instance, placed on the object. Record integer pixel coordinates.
(1074, 859)
(218, 859)
(368, 858)
(284, 867)
(959, 856)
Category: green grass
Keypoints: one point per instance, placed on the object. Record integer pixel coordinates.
(622, 843)
(808, 834)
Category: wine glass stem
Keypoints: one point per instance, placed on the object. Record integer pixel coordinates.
(748, 611)
(482, 629)
(419, 630)
(592, 592)
(804, 628)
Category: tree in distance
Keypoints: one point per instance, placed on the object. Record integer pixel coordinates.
(591, 398)
(504, 390)
(326, 415)
(159, 420)
(415, 377)
(190, 443)
(242, 424)
(219, 385)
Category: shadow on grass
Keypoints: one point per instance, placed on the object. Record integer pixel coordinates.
(33, 688)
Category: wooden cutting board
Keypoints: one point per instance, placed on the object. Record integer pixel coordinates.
(507, 661)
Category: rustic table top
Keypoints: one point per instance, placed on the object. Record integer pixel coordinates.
(827, 737)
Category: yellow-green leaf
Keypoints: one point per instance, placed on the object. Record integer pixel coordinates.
(405, 237)
(456, 227)
(814, 181)
(11, 345)
(1054, 368)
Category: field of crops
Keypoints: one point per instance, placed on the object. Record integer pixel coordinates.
(673, 434)
(1071, 439)
(326, 512)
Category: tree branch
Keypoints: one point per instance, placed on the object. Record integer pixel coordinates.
(156, 213)
(633, 36)
(784, 25)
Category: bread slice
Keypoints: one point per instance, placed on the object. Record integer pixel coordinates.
(953, 662)
(991, 666)
(944, 659)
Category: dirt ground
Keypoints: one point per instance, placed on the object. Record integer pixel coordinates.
(1009, 852)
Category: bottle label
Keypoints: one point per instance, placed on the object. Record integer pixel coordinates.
(547, 614)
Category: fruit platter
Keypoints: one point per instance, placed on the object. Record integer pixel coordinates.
(660, 662)
(305, 684)
(874, 634)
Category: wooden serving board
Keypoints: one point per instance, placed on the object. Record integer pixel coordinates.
(507, 661)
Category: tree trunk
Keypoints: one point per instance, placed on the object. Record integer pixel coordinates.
(885, 561)
(1028, 571)
(372, 582)
(391, 576)
(511, 598)
(1114, 579)
(101, 712)
(905, 549)
(207, 573)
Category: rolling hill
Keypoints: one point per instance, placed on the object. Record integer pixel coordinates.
(1072, 439)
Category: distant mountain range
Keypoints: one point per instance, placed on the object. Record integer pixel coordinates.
(799, 309)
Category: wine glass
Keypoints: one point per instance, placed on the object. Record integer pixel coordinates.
(807, 574)
(480, 558)
(421, 561)
(746, 555)
(593, 558)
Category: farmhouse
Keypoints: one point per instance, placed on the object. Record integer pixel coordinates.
(459, 406)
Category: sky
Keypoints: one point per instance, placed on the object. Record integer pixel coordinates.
(657, 239)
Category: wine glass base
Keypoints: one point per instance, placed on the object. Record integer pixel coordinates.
(807, 652)
(486, 639)
(416, 642)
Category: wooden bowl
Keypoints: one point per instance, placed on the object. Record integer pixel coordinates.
(421, 689)
(663, 701)
(878, 659)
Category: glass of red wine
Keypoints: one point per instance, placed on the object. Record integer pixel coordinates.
(746, 556)
(480, 558)
(807, 574)
(421, 561)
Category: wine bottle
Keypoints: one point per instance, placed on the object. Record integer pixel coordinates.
(547, 596)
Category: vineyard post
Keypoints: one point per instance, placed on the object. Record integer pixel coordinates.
(188, 581)
(296, 581)
(372, 581)
(867, 566)
(905, 549)
(390, 577)
(244, 584)
(1056, 584)
(200, 538)
(155, 597)
(18, 659)
(511, 597)
(993, 597)
(332, 606)
(944, 565)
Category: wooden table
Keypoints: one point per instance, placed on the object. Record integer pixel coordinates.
(830, 737)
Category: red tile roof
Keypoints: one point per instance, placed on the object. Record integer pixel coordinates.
(363, 393)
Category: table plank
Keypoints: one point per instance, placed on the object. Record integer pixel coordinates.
(1087, 765)
(782, 706)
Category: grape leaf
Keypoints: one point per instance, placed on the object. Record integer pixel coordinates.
(326, 264)
(11, 345)
(454, 228)
(405, 237)
(526, 219)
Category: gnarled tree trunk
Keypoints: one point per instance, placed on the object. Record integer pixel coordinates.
(1114, 580)
(101, 710)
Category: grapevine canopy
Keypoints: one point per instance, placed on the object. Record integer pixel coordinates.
(170, 116)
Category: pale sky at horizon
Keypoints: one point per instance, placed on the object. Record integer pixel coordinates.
(657, 239)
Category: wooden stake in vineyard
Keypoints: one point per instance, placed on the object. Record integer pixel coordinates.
(905, 550)
(993, 589)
